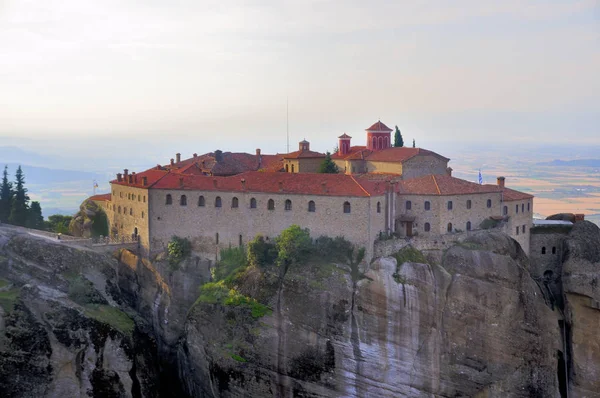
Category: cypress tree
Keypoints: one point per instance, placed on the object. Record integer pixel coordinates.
(20, 204)
(328, 166)
(6, 195)
(413, 142)
(34, 218)
(398, 141)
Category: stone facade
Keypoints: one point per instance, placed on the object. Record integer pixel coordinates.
(127, 213)
(423, 165)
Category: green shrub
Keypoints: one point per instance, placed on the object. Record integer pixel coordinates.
(488, 223)
(178, 249)
(407, 254)
(232, 261)
(293, 246)
(100, 224)
(261, 252)
(83, 292)
(219, 293)
(238, 358)
(111, 316)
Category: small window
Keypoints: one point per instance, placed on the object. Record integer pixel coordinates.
(142, 214)
(183, 200)
(311, 206)
(241, 241)
(449, 205)
(505, 210)
(125, 210)
(292, 168)
(253, 203)
(201, 201)
(543, 249)
(121, 194)
(139, 198)
(131, 211)
(449, 228)
(169, 200)
(468, 225)
(517, 208)
(217, 238)
(218, 202)
(287, 168)
(271, 204)
(347, 208)
(517, 230)
(522, 207)
(235, 203)
(288, 205)
(119, 209)
(128, 196)
(523, 229)
(378, 207)
(144, 198)
(489, 203)
(528, 206)
(427, 205)
(427, 227)
(408, 205)
(469, 204)
(553, 249)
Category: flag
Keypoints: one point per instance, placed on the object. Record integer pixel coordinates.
(480, 178)
(95, 184)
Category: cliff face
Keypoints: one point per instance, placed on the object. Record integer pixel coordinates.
(476, 325)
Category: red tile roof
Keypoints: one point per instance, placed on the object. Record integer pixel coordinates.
(153, 175)
(379, 127)
(303, 155)
(356, 152)
(442, 185)
(509, 195)
(101, 197)
(344, 136)
(400, 154)
(264, 182)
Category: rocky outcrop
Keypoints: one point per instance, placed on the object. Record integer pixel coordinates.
(475, 325)
(83, 221)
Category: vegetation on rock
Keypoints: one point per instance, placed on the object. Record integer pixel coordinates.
(178, 249)
(407, 254)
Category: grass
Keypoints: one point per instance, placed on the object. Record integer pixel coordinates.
(8, 299)
(218, 292)
(407, 254)
(111, 316)
(238, 358)
(4, 283)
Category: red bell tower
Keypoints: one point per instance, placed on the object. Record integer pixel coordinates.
(344, 144)
(378, 137)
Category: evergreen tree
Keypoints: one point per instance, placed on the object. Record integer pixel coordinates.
(34, 218)
(398, 141)
(20, 204)
(6, 195)
(328, 166)
(413, 143)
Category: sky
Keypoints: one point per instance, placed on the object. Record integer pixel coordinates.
(148, 78)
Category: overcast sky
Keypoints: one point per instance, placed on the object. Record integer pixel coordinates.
(218, 73)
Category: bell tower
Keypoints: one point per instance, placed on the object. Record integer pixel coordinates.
(344, 144)
(378, 136)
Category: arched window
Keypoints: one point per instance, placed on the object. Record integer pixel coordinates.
(120, 194)
(386, 142)
(427, 205)
(408, 205)
(128, 196)
(240, 241)
(139, 198)
(468, 225)
(125, 210)
(142, 214)
(449, 227)
(374, 142)
(449, 205)
(218, 201)
(169, 199)
(201, 201)
(505, 210)
(553, 249)
(528, 206)
(253, 203)
(131, 211)
(235, 203)
(380, 142)
(378, 207)
(489, 203)
(287, 168)
(523, 229)
(144, 198)
(183, 200)
(271, 204)
(288, 204)
(543, 249)
(347, 208)
(516, 208)
(217, 238)
(427, 227)
(311, 206)
(469, 204)
(292, 168)
(119, 209)
(522, 207)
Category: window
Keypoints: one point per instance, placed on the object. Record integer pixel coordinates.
(544, 250)
(217, 238)
(553, 249)
(183, 200)
(523, 229)
(489, 203)
(125, 210)
(142, 214)
(517, 230)
(427, 227)
(469, 204)
(271, 204)
(528, 206)
(292, 168)
(505, 210)
(139, 198)
(468, 225)
(449, 205)
(408, 205)
(522, 207)
(144, 198)
(218, 201)
(347, 208)
(169, 200)
(516, 208)
(311, 206)
(128, 196)
(288, 205)
(201, 201)
(119, 209)
(287, 168)
(235, 203)
(427, 205)
(131, 211)
(378, 207)
(253, 203)
(241, 242)
(449, 228)
(121, 194)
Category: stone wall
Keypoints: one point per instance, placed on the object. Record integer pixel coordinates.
(519, 222)
(422, 165)
(134, 209)
(304, 165)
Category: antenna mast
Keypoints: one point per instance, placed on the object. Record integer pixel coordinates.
(287, 122)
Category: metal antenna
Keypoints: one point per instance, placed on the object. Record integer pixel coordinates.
(287, 122)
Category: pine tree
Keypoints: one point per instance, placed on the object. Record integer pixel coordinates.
(414, 143)
(34, 217)
(20, 203)
(328, 166)
(398, 141)
(6, 196)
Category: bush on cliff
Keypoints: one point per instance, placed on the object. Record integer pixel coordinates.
(294, 245)
(178, 249)
(261, 252)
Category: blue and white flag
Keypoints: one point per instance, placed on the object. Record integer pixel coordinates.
(480, 178)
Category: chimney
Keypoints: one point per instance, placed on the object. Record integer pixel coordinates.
(181, 182)
(158, 167)
(130, 179)
(134, 177)
(172, 161)
(144, 181)
(280, 186)
(324, 187)
(257, 151)
(119, 177)
(218, 155)
(500, 181)
(579, 217)
(195, 155)
(449, 171)
(125, 173)
(178, 157)
(215, 182)
(243, 183)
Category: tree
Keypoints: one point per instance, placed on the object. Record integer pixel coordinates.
(398, 141)
(58, 223)
(413, 143)
(35, 219)
(99, 223)
(20, 204)
(293, 246)
(327, 166)
(6, 196)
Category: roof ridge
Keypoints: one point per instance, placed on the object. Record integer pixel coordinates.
(436, 184)
(359, 184)
(164, 175)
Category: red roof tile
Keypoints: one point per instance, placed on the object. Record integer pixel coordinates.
(379, 127)
(101, 197)
(400, 154)
(356, 152)
(153, 175)
(508, 195)
(442, 185)
(303, 154)
(344, 136)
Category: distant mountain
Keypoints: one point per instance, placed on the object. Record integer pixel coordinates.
(35, 175)
(572, 163)
(13, 154)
